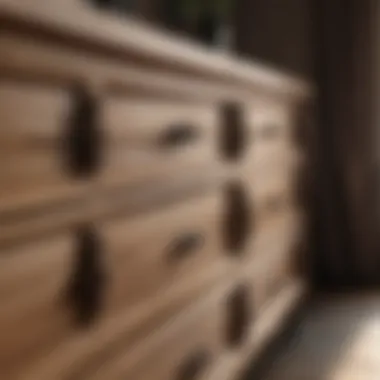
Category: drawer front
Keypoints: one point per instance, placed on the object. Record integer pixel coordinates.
(285, 161)
(272, 198)
(271, 146)
(188, 346)
(135, 268)
(151, 139)
(272, 186)
(33, 153)
(33, 281)
(270, 124)
(272, 255)
(112, 139)
(163, 251)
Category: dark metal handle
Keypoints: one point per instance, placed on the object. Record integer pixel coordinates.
(239, 316)
(233, 132)
(178, 135)
(194, 366)
(83, 137)
(85, 293)
(184, 246)
(238, 219)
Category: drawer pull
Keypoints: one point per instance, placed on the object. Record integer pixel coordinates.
(233, 132)
(87, 283)
(83, 136)
(238, 222)
(178, 135)
(238, 317)
(184, 246)
(194, 366)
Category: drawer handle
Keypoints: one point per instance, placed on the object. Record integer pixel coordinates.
(184, 246)
(233, 132)
(178, 135)
(238, 223)
(238, 316)
(194, 366)
(83, 136)
(87, 282)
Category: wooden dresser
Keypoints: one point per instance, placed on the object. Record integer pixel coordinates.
(151, 226)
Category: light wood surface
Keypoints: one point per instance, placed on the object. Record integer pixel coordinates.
(166, 250)
(233, 364)
(148, 45)
(139, 272)
(32, 140)
(135, 131)
(149, 255)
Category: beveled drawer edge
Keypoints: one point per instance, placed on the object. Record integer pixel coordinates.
(231, 365)
(59, 363)
(126, 35)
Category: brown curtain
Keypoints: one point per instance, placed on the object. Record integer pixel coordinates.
(346, 177)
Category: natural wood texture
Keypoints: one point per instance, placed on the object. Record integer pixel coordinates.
(169, 248)
(199, 330)
(154, 139)
(146, 44)
(269, 133)
(269, 260)
(34, 278)
(99, 201)
(32, 139)
(232, 364)
(338, 339)
(150, 223)
(138, 272)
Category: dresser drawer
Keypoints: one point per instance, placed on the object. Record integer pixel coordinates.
(188, 345)
(34, 278)
(153, 254)
(125, 274)
(153, 139)
(274, 189)
(270, 123)
(274, 239)
(272, 255)
(33, 144)
(269, 128)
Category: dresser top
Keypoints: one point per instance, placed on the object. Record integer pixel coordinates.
(129, 38)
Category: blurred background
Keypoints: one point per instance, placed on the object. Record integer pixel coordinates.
(333, 45)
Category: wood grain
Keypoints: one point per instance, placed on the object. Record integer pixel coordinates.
(199, 330)
(32, 140)
(141, 279)
(156, 201)
(232, 364)
(145, 44)
(138, 142)
(140, 251)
